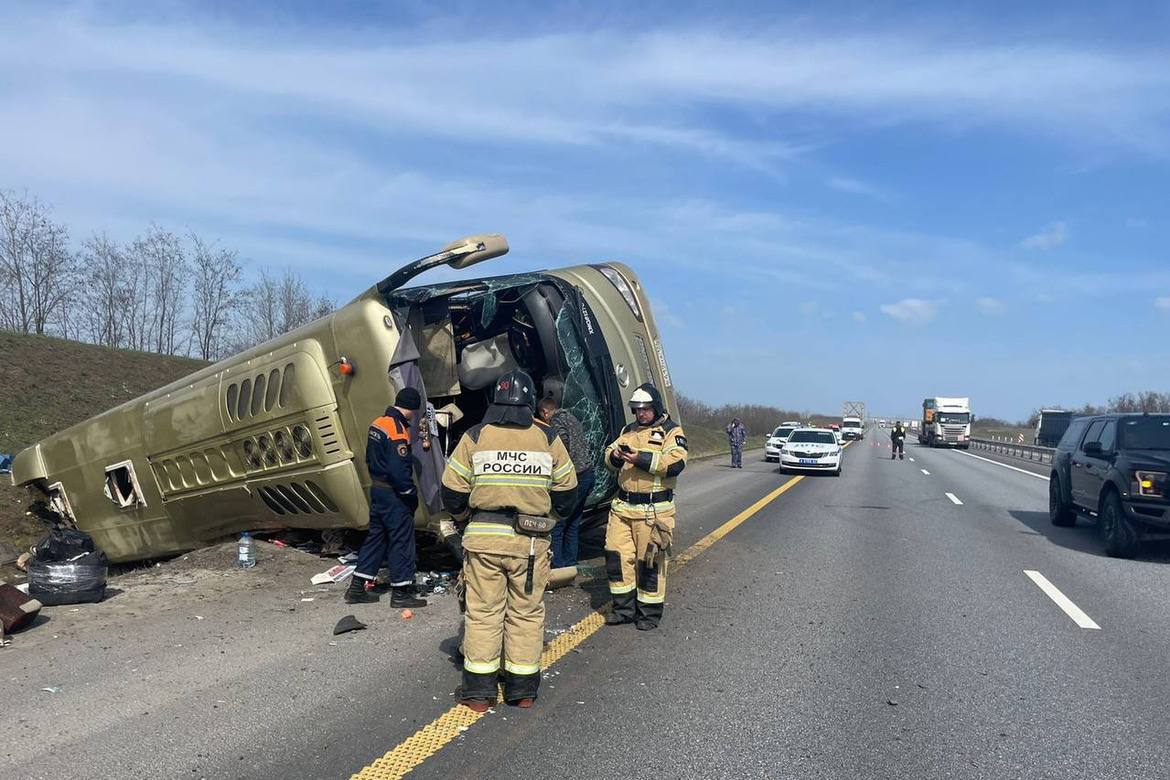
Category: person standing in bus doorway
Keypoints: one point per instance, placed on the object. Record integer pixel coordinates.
(648, 456)
(393, 501)
(566, 534)
(736, 437)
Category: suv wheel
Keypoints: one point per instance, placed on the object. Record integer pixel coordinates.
(1120, 535)
(1059, 512)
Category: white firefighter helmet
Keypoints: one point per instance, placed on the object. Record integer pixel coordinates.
(647, 397)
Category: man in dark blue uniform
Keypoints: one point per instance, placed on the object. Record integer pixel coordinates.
(393, 500)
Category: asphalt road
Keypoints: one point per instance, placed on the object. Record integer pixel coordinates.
(868, 625)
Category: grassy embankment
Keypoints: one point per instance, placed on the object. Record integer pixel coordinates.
(48, 384)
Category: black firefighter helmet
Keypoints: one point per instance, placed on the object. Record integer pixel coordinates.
(515, 388)
(647, 397)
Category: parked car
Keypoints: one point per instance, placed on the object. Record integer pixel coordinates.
(776, 441)
(1114, 468)
(852, 428)
(811, 449)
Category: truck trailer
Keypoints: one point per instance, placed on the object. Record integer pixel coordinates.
(1051, 426)
(946, 422)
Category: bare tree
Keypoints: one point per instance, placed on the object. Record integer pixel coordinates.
(276, 306)
(215, 294)
(37, 268)
(157, 270)
(108, 291)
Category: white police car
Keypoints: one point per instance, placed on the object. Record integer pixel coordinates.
(811, 449)
(776, 441)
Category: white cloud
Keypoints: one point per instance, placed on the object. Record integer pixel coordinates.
(990, 306)
(664, 315)
(609, 86)
(1162, 303)
(352, 151)
(859, 316)
(1049, 238)
(912, 311)
(856, 187)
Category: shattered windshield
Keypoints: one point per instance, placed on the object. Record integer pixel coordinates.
(582, 396)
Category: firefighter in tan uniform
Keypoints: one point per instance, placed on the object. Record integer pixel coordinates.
(505, 478)
(648, 457)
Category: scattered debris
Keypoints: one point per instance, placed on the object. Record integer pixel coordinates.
(23, 561)
(407, 614)
(52, 689)
(892, 702)
(16, 609)
(308, 599)
(347, 623)
(336, 574)
(434, 582)
(348, 558)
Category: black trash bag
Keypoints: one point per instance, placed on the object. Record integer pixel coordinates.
(63, 544)
(81, 580)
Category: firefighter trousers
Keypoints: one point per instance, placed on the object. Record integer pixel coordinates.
(503, 626)
(638, 590)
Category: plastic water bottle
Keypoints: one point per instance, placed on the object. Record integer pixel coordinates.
(247, 552)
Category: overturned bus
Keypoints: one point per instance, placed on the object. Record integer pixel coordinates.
(275, 437)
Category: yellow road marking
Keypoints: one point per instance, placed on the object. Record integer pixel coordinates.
(433, 737)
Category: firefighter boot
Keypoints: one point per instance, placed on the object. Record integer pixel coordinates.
(357, 593)
(623, 610)
(403, 596)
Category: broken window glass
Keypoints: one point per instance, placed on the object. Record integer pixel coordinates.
(122, 485)
(583, 399)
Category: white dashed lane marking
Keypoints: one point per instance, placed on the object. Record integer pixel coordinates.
(924, 471)
(1064, 602)
(1004, 465)
(954, 499)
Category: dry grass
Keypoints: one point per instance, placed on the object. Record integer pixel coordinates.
(48, 384)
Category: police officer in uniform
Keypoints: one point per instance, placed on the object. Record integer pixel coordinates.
(648, 457)
(898, 441)
(393, 500)
(505, 477)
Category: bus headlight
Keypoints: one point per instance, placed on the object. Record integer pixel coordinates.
(623, 287)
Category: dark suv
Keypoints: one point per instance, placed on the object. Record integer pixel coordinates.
(1114, 466)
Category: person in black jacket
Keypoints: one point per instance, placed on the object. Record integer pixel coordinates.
(897, 441)
(393, 500)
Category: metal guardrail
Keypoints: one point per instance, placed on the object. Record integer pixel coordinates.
(1015, 449)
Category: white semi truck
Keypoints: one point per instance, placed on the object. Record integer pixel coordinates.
(946, 422)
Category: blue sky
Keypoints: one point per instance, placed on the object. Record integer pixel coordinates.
(857, 201)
